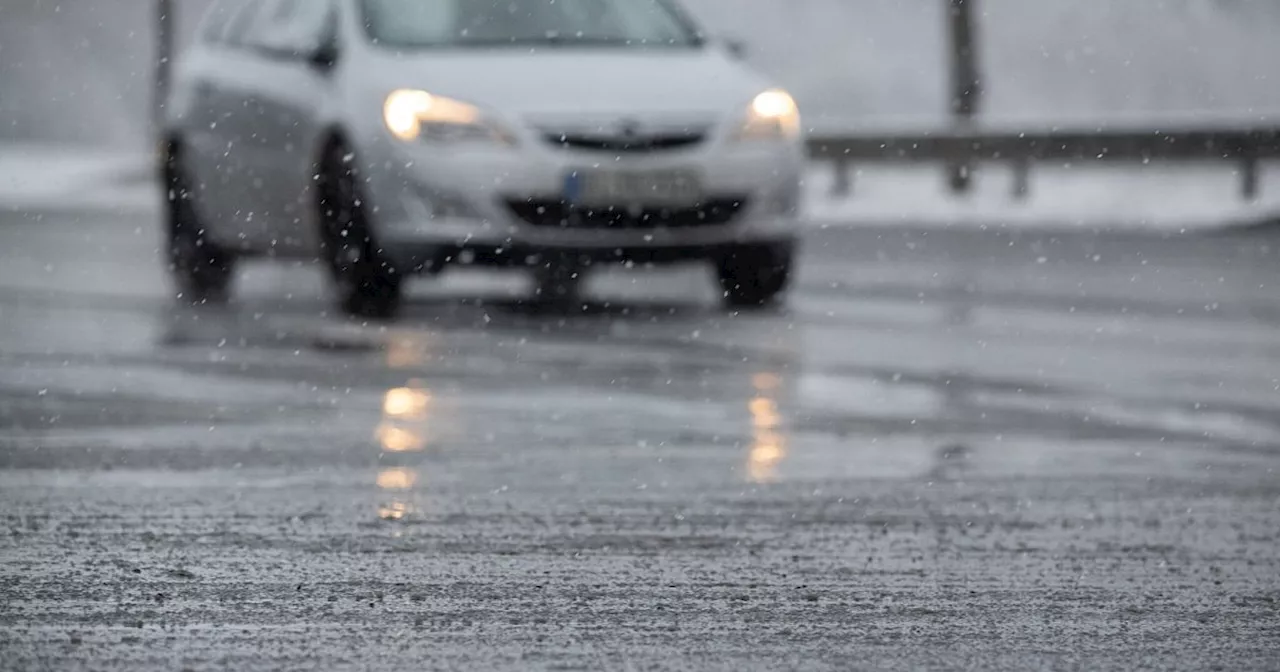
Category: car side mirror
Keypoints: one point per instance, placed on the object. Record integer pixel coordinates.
(735, 47)
(324, 55)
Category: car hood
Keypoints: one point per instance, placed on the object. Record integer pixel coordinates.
(578, 83)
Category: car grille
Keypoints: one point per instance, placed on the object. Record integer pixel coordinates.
(560, 215)
(623, 144)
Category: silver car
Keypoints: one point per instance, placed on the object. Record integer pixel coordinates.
(393, 138)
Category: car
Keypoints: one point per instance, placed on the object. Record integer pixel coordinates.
(389, 139)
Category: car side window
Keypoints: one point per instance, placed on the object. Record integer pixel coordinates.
(217, 19)
(242, 23)
(291, 27)
(314, 23)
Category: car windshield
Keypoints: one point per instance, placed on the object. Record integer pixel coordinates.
(480, 23)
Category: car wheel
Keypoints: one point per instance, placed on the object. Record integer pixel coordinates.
(366, 285)
(754, 275)
(202, 270)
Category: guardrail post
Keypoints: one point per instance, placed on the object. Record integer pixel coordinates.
(1021, 178)
(163, 65)
(959, 176)
(1249, 178)
(842, 183)
(966, 84)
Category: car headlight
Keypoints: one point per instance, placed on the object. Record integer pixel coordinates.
(411, 114)
(772, 115)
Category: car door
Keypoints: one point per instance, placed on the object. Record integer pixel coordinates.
(239, 197)
(211, 130)
(229, 168)
(292, 91)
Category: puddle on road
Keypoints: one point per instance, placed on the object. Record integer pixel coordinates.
(817, 458)
(869, 396)
(1162, 420)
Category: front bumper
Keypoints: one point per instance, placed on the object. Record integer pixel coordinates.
(418, 256)
(433, 203)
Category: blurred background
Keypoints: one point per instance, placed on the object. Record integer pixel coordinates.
(1039, 417)
(79, 70)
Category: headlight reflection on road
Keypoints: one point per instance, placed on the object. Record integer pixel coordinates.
(407, 350)
(394, 510)
(396, 480)
(406, 403)
(403, 428)
(768, 444)
(404, 424)
(400, 440)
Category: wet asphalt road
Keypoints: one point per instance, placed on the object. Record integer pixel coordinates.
(947, 451)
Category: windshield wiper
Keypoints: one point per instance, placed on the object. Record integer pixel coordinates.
(564, 41)
(551, 41)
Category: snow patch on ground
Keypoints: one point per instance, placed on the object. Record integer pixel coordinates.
(1153, 198)
(1165, 198)
(43, 177)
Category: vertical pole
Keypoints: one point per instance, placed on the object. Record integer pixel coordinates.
(1021, 178)
(1249, 177)
(966, 84)
(164, 26)
(842, 184)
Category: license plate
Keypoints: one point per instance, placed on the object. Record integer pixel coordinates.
(625, 187)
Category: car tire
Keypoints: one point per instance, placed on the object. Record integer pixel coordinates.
(367, 286)
(753, 276)
(202, 271)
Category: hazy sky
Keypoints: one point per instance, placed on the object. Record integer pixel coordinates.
(78, 69)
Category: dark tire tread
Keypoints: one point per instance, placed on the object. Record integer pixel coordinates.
(366, 285)
(202, 271)
(754, 276)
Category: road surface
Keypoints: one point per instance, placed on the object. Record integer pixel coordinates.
(949, 450)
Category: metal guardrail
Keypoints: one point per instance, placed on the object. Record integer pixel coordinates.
(1022, 149)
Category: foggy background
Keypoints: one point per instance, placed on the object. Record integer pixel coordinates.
(78, 70)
